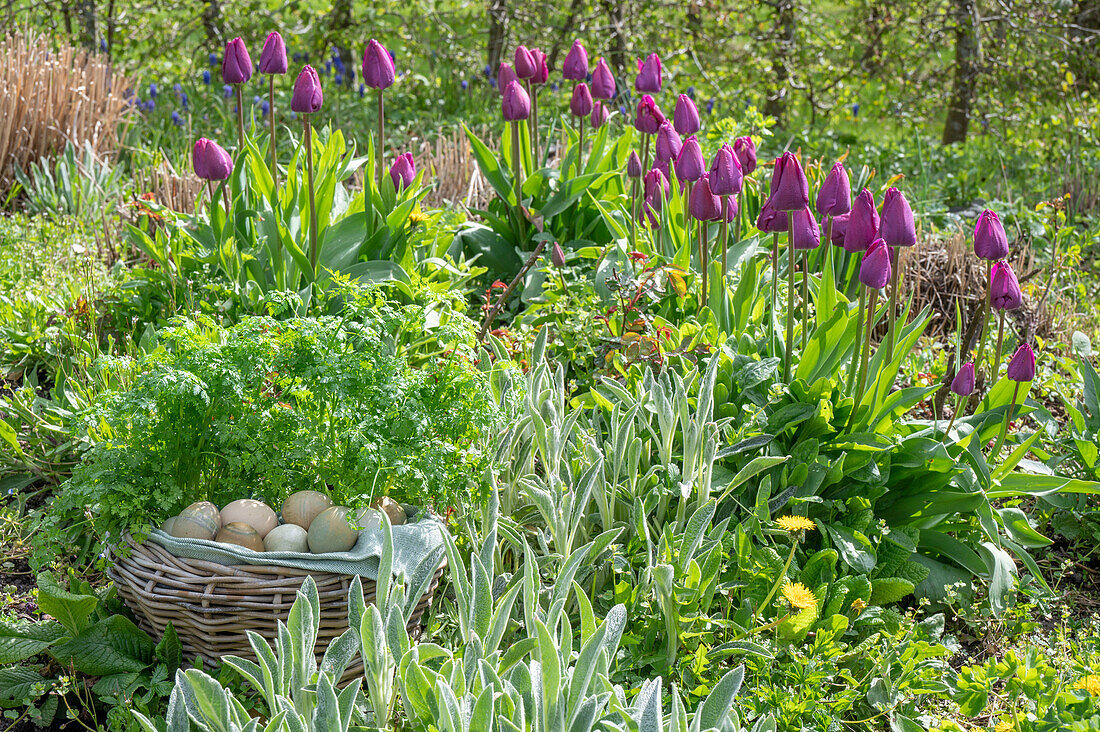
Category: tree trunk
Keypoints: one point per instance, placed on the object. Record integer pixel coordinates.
(966, 71)
(86, 11)
(776, 103)
(498, 27)
(617, 53)
(213, 23)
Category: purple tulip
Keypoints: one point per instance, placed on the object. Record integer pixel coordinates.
(771, 221)
(649, 75)
(990, 241)
(665, 167)
(210, 160)
(307, 97)
(963, 383)
(704, 205)
(273, 56)
(603, 81)
(745, 150)
(236, 65)
(835, 195)
(668, 143)
(789, 189)
(575, 67)
(806, 235)
(839, 225)
(862, 223)
(656, 188)
(403, 171)
(378, 69)
(686, 116)
(648, 118)
(634, 165)
(600, 115)
(896, 226)
(689, 163)
(505, 76)
(515, 104)
(557, 256)
(526, 66)
(542, 71)
(874, 268)
(725, 173)
(581, 103)
(1004, 288)
(1021, 368)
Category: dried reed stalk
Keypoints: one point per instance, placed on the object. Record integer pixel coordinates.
(53, 93)
(167, 187)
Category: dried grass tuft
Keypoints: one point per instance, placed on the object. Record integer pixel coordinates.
(51, 93)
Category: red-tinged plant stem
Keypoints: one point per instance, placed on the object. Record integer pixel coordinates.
(312, 196)
(895, 255)
(274, 151)
(380, 153)
(210, 189)
(788, 349)
(499, 305)
(240, 117)
(1004, 426)
(774, 288)
(645, 153)
(997, 354)
(865, 361)
(686, 191)
(533, 92)
(704, 261)
(580, 146)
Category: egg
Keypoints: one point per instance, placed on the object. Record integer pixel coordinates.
(256, 514)
(241, 534)
(198, 521)
(166, 527)
(303, 507)
(368, 519)
(331, 532)
(287, 538)
(392, 509)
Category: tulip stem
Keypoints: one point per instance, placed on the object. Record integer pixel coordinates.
(1004, 426)
(774, 288)
(274, 152)
(210, 188)
(805, 295)
(789, 342)
(856, 348)
(704, 237)
(517, 176)
(997, 354)
(240, 117)
(312, 197)
(645, 152)
(954, 415)
(895, 253)
(634, 214)
(686, 191)
(580, 146)
(724, 236)
(985, 313)
(864, 362)
(380, 154)
(533, 92)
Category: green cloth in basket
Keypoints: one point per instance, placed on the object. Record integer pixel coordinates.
(413, 544)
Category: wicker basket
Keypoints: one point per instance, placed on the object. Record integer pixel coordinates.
(212, 605)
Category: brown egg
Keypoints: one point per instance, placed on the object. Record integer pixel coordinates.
(198, 521)
(392, 509)
(256, 514)
(331, 532)
(304, 506)
(241, 534)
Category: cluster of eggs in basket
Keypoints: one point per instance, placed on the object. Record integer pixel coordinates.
(311, 523)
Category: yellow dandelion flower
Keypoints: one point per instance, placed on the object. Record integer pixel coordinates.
(1004, 726)
(858, 605)
(795, 524)
(1090, 683)
(416, 218)
(799, 596)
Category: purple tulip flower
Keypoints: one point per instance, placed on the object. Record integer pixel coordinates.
(1021, 368)
(1004, 288)
(236, 66)
(378, 67)
(581, 103)
(789, 189)
(649, 75)
(603, 81)
(874, 268)
(806, 235)
(210, 160)
(648, 118)
(896, 225)
(745, 150)
(726, 178)
(990, 240)
(515, 104)
(575, 66)
(963, 383)
(403, 171)
(273, 55)
(307, 97)
(689, 163)
(686, 116)
(668, 143)
(835, 195)
(862, 227)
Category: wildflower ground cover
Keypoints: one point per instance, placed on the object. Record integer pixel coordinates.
(734, 422)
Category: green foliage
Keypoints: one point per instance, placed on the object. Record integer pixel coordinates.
(375, 401)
